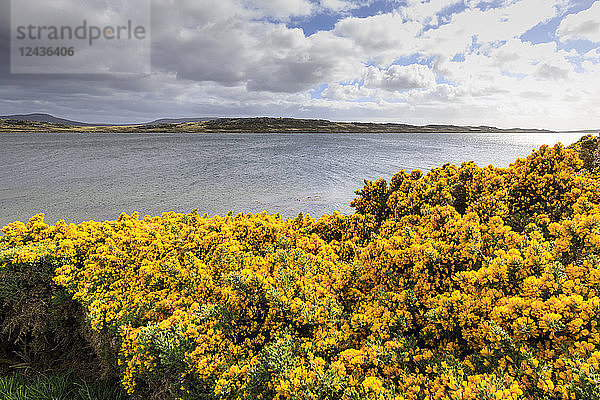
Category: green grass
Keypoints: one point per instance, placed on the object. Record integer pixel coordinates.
(57, 387)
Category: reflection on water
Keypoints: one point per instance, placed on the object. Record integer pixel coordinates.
(78, 177)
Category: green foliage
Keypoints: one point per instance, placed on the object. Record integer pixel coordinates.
(40, 325)
(57, 387)
(589, 152)
(372, 200)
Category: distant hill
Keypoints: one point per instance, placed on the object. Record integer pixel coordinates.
(49, 123)
(274, 125)
(44, 118)
(40, 117)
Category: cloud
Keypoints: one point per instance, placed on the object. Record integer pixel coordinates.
(551, 72)
(91, 56)
(426, 11)
(382, 37)
(490, 26)
(582, 25)
(346, 92)
(399, 77)
(281, 9)
(236, 57)
(231, 48)
(342, 5)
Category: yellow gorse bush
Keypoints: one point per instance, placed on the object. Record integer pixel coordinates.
(463, 283)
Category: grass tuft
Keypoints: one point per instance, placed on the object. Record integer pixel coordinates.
(57, 387)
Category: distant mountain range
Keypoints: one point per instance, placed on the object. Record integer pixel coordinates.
(44, 118)
(55, 120)
(49, 123)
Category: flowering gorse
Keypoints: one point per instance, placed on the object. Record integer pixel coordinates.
(463, 283)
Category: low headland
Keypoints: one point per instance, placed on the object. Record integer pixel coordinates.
(46, 123)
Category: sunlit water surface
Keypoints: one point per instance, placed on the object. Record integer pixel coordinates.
(78, 177)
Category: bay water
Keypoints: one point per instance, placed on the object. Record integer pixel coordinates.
(77, 177)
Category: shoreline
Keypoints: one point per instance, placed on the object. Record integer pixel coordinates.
(255, 125)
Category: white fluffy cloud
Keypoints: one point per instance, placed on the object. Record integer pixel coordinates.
(381, 37)
(342, 5)
(399, 77)
(281, 9)
(426, 11)
(492, 25)
(346, 92)
(583, 25)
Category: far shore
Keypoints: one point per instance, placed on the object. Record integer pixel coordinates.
(253, 125)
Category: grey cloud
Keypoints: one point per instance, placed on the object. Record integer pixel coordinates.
(585, 28)
(533, 95)
(582, 25)
(551, 72)
(380, 32)
(289, 76)
(231, 50)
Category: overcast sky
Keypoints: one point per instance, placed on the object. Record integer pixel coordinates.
(508, 63)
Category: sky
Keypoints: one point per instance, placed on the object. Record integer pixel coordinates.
(505, 63)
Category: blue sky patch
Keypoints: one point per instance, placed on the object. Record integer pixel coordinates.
(315, 23)
(317, 92)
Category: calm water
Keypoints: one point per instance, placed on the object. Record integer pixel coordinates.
(77, 177)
